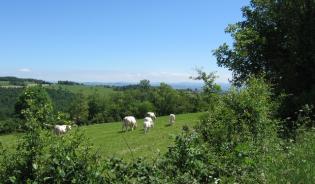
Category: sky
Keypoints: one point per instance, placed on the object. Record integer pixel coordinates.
(114, 40)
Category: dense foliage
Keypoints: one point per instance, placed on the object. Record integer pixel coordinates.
(45, 158)
(86, 107)
(138, 99)
(276, 39)
(22, 82)
(71, 83)
(34, 100)
(8, 99)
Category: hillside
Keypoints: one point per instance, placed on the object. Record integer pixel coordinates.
(110, 141)
(15, 81)
(87, 90)
(61, 95)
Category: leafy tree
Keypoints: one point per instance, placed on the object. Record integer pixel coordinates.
(142, 107)
(42, 157)
(231, 143)
(35, 102)
(8, 99)
(166, 99)
(95, 105)
(210, 88)
(276, 40)
(79, 109)
(70, 83)
(144, 84)
(61, 98)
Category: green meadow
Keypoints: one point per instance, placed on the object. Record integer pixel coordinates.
(87, 90)
(109, 140)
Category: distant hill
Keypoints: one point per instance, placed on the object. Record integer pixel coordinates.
(86, 89)
(175, 85)
(15, 81)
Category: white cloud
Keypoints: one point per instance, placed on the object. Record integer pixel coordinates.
(25, 70)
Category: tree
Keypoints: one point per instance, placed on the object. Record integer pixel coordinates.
(79, 109)
(144, 84)
(95, 105)
(142, 107)
(166, 100)
(210, 88)
(276, 40)
(35, 102)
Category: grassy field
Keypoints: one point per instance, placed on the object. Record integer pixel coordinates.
(87, 90)
(110, 141)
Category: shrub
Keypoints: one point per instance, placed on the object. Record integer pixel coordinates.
(45, 158)
(35, 102)
(42, 157)
(229, 142)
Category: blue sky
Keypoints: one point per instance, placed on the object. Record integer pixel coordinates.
(117, 40)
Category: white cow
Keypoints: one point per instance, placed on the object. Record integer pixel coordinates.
(129, 121)
(172, 119)
(61, 129)
(147, 124)
(151, 115)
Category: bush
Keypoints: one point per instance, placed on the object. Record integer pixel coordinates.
(45, 158)
(42, 157)
(229, 142)
(138, 171)
(35, 102)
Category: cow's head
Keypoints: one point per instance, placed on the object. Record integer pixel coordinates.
(68, 127)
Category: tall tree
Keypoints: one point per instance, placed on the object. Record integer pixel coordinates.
(276, 40)
(35, 102)
(144, 84)
(79, 109)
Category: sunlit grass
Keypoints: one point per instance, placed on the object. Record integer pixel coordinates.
(109, 141)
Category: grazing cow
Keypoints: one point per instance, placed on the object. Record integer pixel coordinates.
(151, 115)
(172, 119)
(147, 124)
(129, 121)
(61, 129)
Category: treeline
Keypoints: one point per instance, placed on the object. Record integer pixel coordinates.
(9, 96)
(84, 109)
(136, 101)
(22, 82)
(71, 83)
(9, 120)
